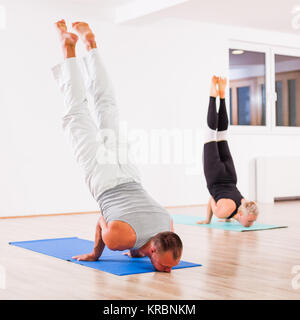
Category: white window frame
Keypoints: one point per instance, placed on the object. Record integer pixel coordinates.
(270, 51)
(286, 52)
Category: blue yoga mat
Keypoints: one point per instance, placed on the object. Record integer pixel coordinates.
(111, 261)
(215, 224)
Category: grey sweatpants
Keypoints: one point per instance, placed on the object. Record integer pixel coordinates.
(96, 146)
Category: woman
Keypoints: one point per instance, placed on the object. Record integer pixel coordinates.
(226, 201)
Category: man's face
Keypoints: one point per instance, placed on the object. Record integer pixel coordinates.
(163, 261)
(247, 221)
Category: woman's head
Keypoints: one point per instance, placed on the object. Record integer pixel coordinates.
(248, 212)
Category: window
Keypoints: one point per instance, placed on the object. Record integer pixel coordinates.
(264, 88)
(247, 87)
(287, 86)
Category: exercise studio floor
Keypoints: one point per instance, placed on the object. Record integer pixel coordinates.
(236, 265)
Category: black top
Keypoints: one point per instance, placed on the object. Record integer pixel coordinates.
(227, 191)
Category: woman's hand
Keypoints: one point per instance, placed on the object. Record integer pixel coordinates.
(86, 257)
(203, 222)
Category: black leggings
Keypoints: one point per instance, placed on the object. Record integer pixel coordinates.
(218, 163)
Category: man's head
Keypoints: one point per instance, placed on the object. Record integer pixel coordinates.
(165, 251)
(248, 212)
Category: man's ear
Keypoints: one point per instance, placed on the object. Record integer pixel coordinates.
(152, 249)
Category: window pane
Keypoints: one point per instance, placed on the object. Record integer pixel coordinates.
(279, 116)
(244, 111)
(247, 88)
(263, 95)
(287, 76)
(292, 102)
(230, 104)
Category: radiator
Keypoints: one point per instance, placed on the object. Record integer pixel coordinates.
(277, 178)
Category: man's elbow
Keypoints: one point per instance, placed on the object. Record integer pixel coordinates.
(110, 240)
(111, 244)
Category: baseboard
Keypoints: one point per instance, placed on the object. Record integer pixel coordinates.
(51, 215)
(87, 212)
(292, 198)
(185, 206)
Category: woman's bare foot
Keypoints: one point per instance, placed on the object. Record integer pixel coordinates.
(68, 39)
(86, 34)
(214, 92)
(222, 87)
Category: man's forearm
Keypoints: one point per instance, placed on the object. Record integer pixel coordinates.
(99, 244)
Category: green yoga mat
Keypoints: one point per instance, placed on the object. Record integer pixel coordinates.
(215, 224)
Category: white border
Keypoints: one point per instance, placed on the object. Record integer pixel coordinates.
(2, 278)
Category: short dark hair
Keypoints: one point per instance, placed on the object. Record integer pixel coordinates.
(168, 241)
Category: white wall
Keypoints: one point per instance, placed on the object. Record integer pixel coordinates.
(161, 73)
(285, 183)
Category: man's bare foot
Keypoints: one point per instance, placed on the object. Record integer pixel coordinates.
(214, 92)
(222, 87)
(86, 34)
(68, 39)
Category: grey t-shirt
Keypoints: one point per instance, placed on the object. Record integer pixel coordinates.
(130, 203)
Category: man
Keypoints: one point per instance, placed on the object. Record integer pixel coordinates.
(130, 219)
(226, 201)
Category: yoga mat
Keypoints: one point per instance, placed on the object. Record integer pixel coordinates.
(111, 261)
(215, 224)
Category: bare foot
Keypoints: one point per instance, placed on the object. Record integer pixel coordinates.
(222, 87)
(213, 89)
(86, 34)
(68, 39)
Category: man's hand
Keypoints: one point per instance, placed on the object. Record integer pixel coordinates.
(134, 254)
(86, 257)
(128, 253)
(203, 222)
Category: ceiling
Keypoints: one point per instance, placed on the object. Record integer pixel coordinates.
(103, 3)
(262, 14)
